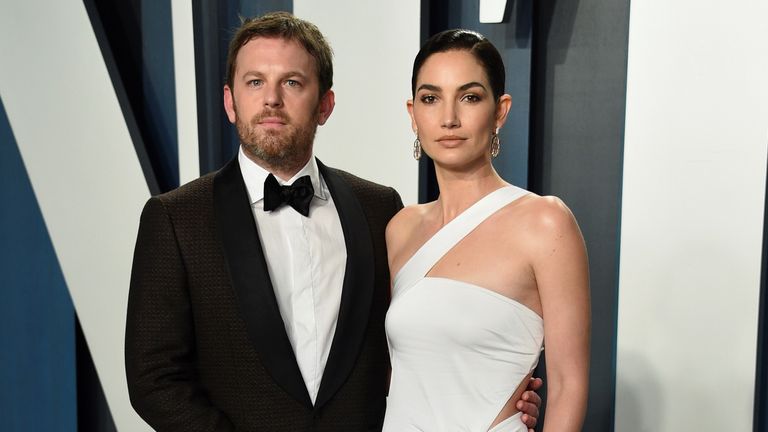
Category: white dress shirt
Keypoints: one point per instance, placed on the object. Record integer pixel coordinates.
(306, 258)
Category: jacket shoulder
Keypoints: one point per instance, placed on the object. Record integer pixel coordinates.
(190, 193)
(360, 185)
(379, 203)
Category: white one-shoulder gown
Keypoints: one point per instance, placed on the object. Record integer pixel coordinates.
(458, 350)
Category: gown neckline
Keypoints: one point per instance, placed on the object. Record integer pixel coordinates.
(454, 222)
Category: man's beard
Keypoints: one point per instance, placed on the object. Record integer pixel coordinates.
(285, 150)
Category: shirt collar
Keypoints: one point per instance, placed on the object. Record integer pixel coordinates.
(254, 176)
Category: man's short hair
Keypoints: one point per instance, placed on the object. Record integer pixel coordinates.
(286, 26)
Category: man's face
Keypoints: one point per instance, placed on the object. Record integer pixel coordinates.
(274, 103)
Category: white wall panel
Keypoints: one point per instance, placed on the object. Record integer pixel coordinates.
(692, 215)
(83, 167)
(369, 132)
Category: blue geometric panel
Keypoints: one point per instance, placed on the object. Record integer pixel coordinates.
(215, 21)
(37, 324)
(159, 91)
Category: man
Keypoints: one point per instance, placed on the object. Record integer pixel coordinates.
(276, 325)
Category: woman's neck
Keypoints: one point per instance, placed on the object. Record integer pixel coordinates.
(459, 190)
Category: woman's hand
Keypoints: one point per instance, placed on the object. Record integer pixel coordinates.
(530, 403)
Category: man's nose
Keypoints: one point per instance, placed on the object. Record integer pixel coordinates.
(273, 96)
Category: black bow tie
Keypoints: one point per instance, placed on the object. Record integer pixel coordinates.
(298, 195)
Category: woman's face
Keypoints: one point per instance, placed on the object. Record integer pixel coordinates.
(453, 111)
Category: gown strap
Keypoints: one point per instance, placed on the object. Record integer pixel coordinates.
(454, 231)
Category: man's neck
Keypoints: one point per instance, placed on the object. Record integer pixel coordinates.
(282, 172)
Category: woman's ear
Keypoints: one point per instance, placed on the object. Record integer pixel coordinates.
(409, 105)
(502, 109)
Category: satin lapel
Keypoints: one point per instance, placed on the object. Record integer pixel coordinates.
(251, 282)
(357, 291)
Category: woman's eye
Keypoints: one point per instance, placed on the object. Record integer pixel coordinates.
(471, 98)
(428, 99)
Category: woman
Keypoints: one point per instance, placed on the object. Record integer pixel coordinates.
(484, 274)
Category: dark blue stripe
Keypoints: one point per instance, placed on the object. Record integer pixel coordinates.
(159, 90)
(37, 325)
(761, 372)
(215, 21)
(578, 100)
(250, 8)
(117, 27)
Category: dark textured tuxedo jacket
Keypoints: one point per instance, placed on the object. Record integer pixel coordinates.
(206, 347)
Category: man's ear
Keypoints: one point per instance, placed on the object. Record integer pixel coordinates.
(229, 104)
(502, 109)
(409, 105)
(325, 107)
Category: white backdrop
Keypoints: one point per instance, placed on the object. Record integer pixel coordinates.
(692, 215)
(369, 133)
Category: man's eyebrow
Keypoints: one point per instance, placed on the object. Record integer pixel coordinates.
(293, 73)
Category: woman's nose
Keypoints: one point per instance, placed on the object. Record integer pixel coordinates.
(450, 117)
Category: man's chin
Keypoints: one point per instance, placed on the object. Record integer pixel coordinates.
(265, 154)
(278, 157)
(277, 148)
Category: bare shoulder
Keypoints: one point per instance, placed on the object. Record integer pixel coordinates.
(401, 233)
(549, 211)
(537, 220)
(404, 223)
(549, 224)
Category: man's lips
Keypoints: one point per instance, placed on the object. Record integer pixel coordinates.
(272, 121)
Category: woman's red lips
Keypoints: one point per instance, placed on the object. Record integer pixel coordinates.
(450, 138)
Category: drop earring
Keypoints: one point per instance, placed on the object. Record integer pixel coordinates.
(495, 145)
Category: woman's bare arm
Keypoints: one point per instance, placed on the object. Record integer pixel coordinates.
(560, 266)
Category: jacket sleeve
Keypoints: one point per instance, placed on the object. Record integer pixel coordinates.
(397, 202)
(160, 360)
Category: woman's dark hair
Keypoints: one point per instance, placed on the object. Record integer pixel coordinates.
(464, 40)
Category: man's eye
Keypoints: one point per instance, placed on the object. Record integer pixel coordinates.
(292, 83)
(428, 99)
(254, 83)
